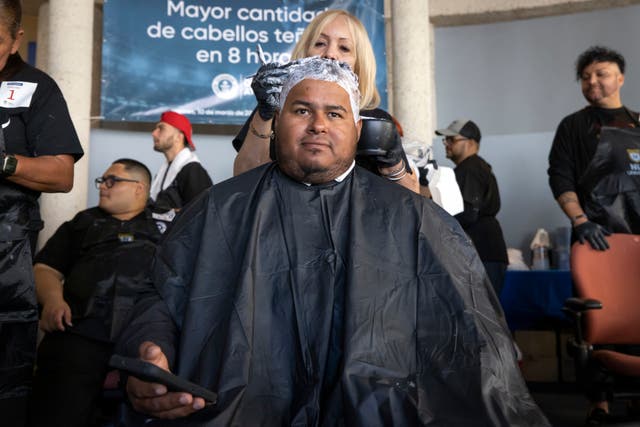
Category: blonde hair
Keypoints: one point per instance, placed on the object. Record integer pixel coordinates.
(365, 65)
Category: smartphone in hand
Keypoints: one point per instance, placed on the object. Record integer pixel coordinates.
(151, 373)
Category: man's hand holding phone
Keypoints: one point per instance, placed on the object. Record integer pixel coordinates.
(155, 399)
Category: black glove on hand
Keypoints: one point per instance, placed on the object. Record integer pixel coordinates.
(266, 85)
(594, 234)
(424, 172)
(395, 153)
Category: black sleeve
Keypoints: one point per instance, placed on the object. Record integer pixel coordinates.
(58, 252)
(49, 126)
(149, 320)
(562, 160)
(472, 187)
(192, 180)
(240, 137)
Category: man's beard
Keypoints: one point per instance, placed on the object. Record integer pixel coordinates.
(160, 147)
(315, 174)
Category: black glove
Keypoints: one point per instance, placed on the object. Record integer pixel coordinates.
(267, 85)
(424, 172)
(594, 234)
(394, 154)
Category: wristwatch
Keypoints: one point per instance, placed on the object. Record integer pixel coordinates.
(9, 164)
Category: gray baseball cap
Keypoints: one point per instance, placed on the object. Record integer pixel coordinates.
(462, 127)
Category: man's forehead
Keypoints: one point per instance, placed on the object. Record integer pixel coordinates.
(596, 65)
(314, 82)
(299, 92)
(116, 169)
(166, 125)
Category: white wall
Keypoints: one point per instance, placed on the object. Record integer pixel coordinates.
(516, 81)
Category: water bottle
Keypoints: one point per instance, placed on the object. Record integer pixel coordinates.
(562, 248)
(540, 258)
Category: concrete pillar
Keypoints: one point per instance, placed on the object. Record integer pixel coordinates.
(42, 42)
(413, 70)
(69, 62)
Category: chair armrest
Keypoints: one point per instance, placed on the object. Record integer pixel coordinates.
(577, 305)
(574, 308)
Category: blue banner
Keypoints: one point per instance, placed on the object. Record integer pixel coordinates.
(197, 56)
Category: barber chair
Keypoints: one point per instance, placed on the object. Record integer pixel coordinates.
(606, 311)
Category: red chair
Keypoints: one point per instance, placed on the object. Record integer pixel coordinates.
(606, 310)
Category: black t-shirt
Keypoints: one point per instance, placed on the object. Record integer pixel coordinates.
(35, 117)
(103, 259)
(192, 180)
(481, 198)
(575, 144)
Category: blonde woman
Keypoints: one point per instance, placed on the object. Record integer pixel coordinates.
(338, 35)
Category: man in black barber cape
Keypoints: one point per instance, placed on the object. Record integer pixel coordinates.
(309, 291)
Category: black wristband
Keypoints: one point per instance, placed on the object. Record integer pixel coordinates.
(9, 164)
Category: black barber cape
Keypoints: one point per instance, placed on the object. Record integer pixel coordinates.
(353, 303)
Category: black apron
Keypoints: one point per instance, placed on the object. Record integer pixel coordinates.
(19, 226)
(102, 286)
(611, 182)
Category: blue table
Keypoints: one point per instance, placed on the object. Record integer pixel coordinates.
(533, 298)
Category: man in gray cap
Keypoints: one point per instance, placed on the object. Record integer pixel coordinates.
(480, 195)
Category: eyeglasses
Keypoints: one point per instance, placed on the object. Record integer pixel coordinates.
(449, 140)
(111, 180)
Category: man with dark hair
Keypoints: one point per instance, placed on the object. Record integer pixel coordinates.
(480, 195)
(102, 256)
(38, 148)
(589, 159)
(594, 174)
(311, 292)
(181, 177)
(598, 54)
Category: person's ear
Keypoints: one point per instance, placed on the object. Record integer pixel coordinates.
(358, 129)
(182, 138)
(273, 152)
(140, 188)
(18, 40)
(621, 79)
(274, 123)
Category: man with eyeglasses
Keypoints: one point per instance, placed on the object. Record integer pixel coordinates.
(102, 257)
(480, 195)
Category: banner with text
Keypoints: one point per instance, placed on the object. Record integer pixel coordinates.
(197, 56)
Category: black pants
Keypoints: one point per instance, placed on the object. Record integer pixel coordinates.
(496, 272)
(13, 411)
(70, 372)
